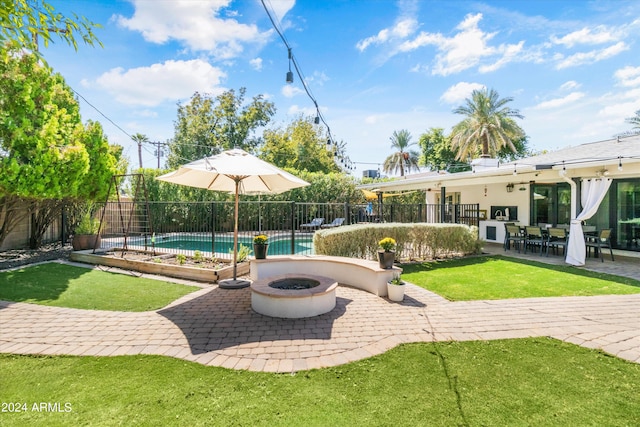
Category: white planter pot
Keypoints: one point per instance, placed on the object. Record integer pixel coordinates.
(395, 292)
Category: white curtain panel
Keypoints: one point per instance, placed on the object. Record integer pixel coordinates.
(592, 193)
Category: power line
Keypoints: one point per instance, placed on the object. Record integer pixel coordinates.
(292, 59)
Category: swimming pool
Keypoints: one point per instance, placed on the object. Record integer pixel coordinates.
(224, 244)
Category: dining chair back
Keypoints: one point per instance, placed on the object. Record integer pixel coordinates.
(598, 242)
(513, 234)
(535, 238)
(557, 239)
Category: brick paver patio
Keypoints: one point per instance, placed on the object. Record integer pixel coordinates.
(217, 327)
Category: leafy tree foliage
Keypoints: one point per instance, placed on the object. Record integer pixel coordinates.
(403, 159)
(635, 121)
(46, 155)
(25, 22)
(488, 126)
(300, 146)
(437, 153)
(206, 126)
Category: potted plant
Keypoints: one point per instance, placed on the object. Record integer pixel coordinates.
(395, 288)
(86, 234)
(387, 254)
(260, 246)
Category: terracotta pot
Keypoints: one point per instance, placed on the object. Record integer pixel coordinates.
(386, 258)
(83, 242)
(260, 251)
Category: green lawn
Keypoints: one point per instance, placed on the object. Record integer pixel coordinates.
(496, 383)
(500, 277)
(76, 287)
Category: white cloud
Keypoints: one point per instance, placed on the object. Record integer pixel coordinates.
(509, 53)
(401, 30)
(196, 24)
(628, 76)
(289, 91)
(296, 110)
(465, 49)
(459, 92)
(169, 81)
(599, 35)
(570, 85)
(582, 58)
(560, 102)
(256, 63)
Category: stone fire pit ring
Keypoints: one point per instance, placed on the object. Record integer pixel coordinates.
(317, 297)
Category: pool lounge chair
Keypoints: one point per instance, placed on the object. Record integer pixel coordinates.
(313, 225)
(335, 223)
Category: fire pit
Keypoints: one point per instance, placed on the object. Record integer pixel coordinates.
(294, 296)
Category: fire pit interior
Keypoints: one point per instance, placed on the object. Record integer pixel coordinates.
(294, 296)
(295, 283)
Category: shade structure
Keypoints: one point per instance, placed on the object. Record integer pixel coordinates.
(236, 172)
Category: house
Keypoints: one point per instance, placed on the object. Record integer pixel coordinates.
(546, 189)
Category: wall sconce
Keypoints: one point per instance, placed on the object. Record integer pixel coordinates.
(522, 188)
(510, 187)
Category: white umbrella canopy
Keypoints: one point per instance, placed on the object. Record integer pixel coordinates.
(237, 172)
(220, 173)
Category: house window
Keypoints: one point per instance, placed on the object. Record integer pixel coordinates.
(551, 204)
(628, 213)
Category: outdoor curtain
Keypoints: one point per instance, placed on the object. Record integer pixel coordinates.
(593, 191)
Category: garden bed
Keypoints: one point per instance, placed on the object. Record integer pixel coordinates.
(182, 267)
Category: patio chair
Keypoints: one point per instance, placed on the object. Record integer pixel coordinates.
(513, 234)
(313, 225)
(557, 238)
(598, 242)
(335, 223)
(534, 237)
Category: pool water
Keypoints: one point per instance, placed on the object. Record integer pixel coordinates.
(278, 246)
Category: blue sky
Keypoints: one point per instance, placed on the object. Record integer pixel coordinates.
(374, 66)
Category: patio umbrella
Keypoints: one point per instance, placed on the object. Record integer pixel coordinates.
(237, 172)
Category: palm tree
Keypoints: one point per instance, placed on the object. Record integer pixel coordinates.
(635, 121)
(489, 125)
(403, 160)
(140, 139)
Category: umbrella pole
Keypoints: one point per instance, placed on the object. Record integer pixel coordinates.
(235, 234)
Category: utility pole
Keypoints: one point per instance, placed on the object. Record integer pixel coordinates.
(159, 151)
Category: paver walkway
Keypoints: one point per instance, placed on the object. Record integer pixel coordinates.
(217, 327)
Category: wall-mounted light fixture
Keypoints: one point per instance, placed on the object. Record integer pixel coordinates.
(510, 187)
(620, 163)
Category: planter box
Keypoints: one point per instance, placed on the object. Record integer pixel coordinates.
(177, 271)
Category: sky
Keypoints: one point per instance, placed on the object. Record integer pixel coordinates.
(572, 67)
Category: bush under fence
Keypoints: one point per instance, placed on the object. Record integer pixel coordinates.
(414, 241)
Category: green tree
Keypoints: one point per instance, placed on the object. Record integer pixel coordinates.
(437, 153)
(206, 126)
(403, 159)
(635, 121)
(300, 146)
(488, 126)
(140, 139)
(45, 151)
(25, 22)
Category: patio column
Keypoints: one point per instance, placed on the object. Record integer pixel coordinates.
(443, 198)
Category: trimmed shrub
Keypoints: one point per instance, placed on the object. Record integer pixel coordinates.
(413, 241)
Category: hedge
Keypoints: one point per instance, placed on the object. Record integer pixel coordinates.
(414, 241)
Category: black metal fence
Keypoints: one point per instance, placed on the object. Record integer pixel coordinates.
(177, 227)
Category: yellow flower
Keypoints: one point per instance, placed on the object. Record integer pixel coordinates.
(260, 239)
(387, 244)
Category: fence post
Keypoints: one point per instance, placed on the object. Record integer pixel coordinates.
(213, 229)
(293, 228)
(347, 213)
